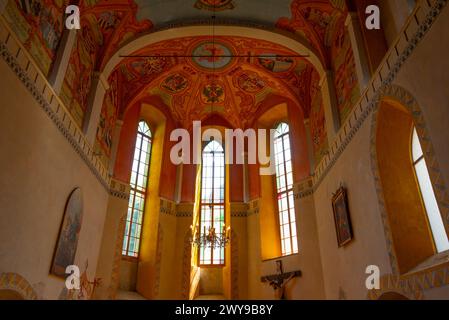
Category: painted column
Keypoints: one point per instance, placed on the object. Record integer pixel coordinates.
(115, 142)
(59, 68)
(361, 62)
(94, 104)
(330, 105)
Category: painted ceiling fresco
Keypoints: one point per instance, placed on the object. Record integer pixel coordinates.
(234, 86)
(192, 88)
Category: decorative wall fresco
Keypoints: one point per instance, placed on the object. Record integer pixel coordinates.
(108, 118)
(78, 80)
(39, 25)
(318, 122)
(104, 27)
(345, 76)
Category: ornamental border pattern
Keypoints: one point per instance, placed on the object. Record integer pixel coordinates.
(412, 286)
(15, 282)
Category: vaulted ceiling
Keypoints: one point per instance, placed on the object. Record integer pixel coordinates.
(234, 82)
(117, 21)
(194, 87)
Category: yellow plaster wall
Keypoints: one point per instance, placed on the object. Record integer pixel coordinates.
(407, 217)
(147, 271)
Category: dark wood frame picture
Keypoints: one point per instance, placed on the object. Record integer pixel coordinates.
(342, 219)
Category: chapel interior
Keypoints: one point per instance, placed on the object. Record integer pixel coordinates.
(355, 207)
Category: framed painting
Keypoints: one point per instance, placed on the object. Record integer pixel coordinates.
(341, 217)
(68, 235)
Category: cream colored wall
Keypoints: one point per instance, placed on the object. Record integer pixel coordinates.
(39, 170)
(344, 268)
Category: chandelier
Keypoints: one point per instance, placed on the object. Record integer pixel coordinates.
(210, 238)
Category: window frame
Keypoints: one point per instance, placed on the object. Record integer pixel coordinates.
(202, 204)
(134, 189)
(285, 192)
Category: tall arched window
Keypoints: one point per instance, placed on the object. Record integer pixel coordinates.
(138, 182)
(212, 208)
(428, 195)
(284, 184)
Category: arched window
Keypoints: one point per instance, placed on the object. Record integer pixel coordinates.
(284, 187)
(212, 208)
(138, 182)
(428, 195)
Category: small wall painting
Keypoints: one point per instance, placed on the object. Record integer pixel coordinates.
(69, 234)
(341, 216)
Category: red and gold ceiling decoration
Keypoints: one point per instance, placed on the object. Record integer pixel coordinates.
(224, 76)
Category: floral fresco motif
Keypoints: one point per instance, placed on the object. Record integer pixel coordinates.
(215, 5)
(175, 83)
(38, 25)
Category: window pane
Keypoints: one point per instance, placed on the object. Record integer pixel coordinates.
(284, 184)
(138, 181)
(416, 146)
(212, 200)
(430, 203)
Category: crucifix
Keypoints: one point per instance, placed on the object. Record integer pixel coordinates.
(279, 281)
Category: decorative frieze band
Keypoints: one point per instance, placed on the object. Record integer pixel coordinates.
(119, 189)
(253, 207)
(167, 207)
(239, 210)
(303, 189)
(184, 209)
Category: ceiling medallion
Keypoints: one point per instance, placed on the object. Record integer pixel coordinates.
(212, 55)
(215, 5)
